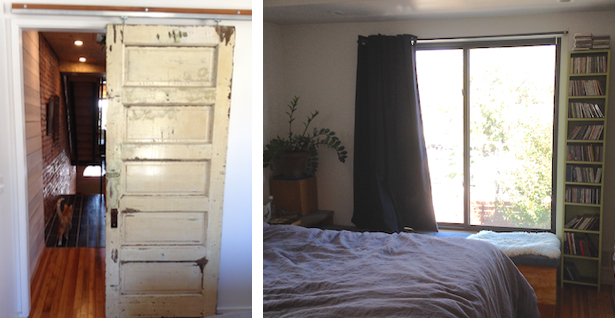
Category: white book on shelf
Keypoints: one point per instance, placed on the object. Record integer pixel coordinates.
(598, 175)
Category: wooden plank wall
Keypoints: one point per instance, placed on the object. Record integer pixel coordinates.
(32, 97)
(58, 173)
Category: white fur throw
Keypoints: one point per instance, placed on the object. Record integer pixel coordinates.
(522, 243)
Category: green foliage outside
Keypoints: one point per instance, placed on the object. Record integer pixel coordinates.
(512, 143)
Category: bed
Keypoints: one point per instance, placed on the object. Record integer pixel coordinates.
(309, 272)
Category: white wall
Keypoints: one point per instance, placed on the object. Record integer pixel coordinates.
(319, 64)
(235, 285)
(34, 158)
(273, 89)
(9, 274)
(235, 281)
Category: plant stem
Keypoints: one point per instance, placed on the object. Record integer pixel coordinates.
(293, 107)
(309, 120)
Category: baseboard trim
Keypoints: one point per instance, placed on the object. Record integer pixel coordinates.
(226, 310)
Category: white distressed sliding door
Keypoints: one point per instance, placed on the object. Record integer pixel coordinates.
(169, 90)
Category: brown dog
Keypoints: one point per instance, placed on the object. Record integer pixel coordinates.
(65, 218)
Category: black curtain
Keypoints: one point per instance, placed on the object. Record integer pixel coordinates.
(392, 189)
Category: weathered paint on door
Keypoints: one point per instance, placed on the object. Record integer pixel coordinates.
(169, 90)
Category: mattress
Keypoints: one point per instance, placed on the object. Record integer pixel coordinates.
(323, 273)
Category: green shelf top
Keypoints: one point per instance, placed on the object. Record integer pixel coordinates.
(599, 163)
(589, 258)
(584, 141)
(581, 231)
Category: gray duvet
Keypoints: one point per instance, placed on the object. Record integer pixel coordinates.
(315, 273)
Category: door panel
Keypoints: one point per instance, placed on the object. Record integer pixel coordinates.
(151, 177)
(162, 277)
(169, 96)
(166, 203)
(159, 124)
(164, 228)
(162, 253)
(190, 66)
(167, 151)
(141, 306)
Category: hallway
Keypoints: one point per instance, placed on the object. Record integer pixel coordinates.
(88, 223)
(69, 282)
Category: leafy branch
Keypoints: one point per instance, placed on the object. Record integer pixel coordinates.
(308, 141)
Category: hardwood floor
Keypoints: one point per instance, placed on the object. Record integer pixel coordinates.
(579, 302)
(69, 282)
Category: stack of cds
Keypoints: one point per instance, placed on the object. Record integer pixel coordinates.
(601, 42)
(582, 41)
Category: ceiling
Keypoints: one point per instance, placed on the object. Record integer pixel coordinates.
(327, 11)
(66, 50)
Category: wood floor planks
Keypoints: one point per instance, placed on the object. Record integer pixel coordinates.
(69, 282)
(580, 301)
(575, 301)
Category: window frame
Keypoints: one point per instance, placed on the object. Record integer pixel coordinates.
(472, 43)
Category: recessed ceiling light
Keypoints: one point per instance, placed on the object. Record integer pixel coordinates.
(78, 43)
(82, 59)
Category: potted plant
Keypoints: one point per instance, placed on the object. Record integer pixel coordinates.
(297, 155)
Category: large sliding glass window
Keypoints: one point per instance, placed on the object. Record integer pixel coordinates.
(488, 112)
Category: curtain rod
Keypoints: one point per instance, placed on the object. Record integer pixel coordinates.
(145, 12)
(494, 37)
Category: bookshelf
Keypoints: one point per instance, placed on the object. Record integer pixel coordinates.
(587, 101)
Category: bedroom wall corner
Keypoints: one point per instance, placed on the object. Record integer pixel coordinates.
(274, 96)
(320, 66)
